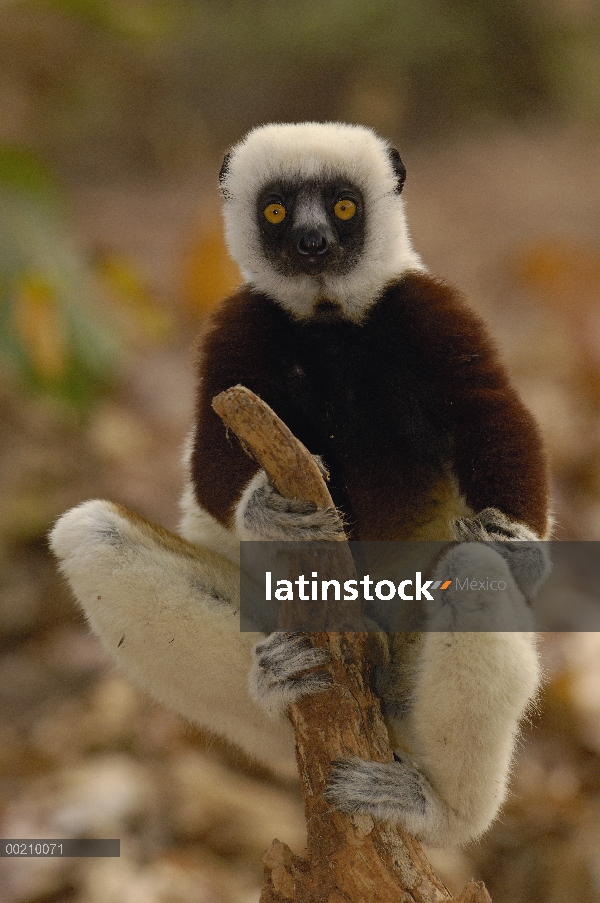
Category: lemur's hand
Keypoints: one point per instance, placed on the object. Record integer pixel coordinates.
(264, 514)
(282, 672)
(526, 554)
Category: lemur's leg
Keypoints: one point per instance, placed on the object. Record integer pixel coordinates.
(277, 677)
(168, 612)
(472, 688)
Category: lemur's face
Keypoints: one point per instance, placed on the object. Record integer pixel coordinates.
(312, 228)
(314, 216)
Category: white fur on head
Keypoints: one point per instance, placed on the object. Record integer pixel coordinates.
(318, 150)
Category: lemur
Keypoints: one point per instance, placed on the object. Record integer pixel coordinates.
(384, 372)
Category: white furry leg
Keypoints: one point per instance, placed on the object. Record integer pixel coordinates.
(168, 613)
(472, 688)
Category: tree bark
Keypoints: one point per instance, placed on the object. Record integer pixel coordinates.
(349, 858)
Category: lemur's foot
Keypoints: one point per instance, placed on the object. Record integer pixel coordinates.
(282, 671)
(394, 792)
(483, 594)
(526, 554)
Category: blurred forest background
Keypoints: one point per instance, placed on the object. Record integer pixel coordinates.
(114, 117)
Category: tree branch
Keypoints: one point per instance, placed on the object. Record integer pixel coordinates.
(349, 858)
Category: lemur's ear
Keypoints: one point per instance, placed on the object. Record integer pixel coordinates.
(223, 175)
(398, 167)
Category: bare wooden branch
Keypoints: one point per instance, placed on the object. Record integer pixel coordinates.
(349, 859)
(265, 437)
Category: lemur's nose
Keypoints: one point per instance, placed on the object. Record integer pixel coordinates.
(312, 243)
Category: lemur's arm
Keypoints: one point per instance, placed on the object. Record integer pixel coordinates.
(240, 347)
(497, 451)
(220, 468)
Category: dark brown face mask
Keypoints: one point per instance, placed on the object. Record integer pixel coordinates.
(313, 228)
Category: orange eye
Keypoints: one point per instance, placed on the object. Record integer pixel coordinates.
(345, 209)
(274, 213)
